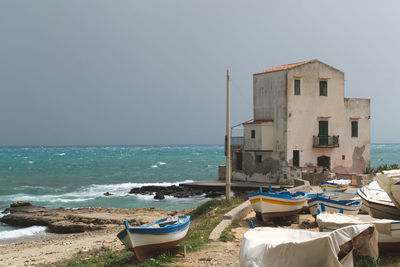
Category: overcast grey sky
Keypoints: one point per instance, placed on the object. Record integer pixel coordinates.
(153, 72)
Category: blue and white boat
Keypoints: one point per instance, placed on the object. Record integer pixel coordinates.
(276, 204)
(329, 205)
(160, 235)
(335, 185)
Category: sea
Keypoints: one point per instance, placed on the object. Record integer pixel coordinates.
(74, 177)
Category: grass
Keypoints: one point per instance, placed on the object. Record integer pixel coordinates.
(203, 220)
(227, 235)
(381, 168)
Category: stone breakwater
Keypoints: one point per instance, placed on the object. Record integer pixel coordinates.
(64, 221)
(160, 192)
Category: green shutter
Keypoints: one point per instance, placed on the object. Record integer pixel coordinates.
(354, 129)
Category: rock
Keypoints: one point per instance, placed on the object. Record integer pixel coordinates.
(214, 194)
(107, 194)
(20, 203)
(135, 190)
(159, 196)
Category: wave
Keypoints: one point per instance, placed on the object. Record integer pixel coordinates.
(29, 231)
(87, 193)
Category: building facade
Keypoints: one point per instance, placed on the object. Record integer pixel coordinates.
(302, 119)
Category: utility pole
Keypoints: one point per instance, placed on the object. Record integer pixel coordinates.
(228, 143)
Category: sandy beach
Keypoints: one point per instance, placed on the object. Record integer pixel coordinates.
(56, 247)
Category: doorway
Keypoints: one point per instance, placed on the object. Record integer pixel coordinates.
(296, 158)
(323, 133)
(324, 161)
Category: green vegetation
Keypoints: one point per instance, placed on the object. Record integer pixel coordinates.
(227, 235)
(203, 220)
(381, 168)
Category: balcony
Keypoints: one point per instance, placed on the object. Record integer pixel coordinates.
(323, 141)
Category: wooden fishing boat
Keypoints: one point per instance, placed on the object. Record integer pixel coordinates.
(389, 181)
(389, 230)
(330, 205)
(160, 235)
(276, 204)
(335, 185)
(378, 203)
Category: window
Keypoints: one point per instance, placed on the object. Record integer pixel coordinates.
(253, 133)
(343, 157)
(323, 88)
(259, 158)
(297, 87)
(354, 129)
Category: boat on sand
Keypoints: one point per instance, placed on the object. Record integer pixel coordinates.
(335, 185)
(160, 235)
(269, 246)
(389, 230)
(389, 181)
(277, 204)
(377, 202)
(330, 205)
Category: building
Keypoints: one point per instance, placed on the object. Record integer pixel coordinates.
(302, 119)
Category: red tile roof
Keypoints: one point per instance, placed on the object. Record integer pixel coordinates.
(286, 66)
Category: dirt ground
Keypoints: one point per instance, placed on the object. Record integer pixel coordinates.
(227, 253)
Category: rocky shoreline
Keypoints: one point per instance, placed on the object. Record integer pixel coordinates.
(63, 221)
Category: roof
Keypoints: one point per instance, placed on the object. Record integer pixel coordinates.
(257, 122)
(286, 66)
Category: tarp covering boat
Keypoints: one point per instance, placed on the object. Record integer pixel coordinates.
(389, 230)
(266, 246)
(329, 220)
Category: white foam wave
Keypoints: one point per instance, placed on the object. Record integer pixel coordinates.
(29, 231)
(61, 154)
(161, 163)
(154, 166)
(87, 193)
(31, 162)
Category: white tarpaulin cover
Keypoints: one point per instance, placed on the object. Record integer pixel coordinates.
(337, 220)
(266, 246)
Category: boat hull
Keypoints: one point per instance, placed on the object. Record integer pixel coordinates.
(268, 207)
(378, 203)
(144, 245)
(314, 205)
(329, 187)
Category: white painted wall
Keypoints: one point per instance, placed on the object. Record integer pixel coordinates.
(305, 110)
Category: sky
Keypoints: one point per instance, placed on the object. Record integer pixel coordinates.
(153, 72)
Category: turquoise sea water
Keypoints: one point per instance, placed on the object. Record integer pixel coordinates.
(78, 176)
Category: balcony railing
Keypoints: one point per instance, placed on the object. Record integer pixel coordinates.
(326, 141)
(237, 141)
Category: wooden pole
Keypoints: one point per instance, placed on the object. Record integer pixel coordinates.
(228, 143)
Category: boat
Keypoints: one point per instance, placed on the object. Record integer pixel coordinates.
(325, 204)
(389, 181)
(273, 204)
(270, 246)
(389, 230)
(160, 235)
(377, 202)
(335, 185)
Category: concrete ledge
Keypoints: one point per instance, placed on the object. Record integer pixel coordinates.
(237, 213)
(216, 233)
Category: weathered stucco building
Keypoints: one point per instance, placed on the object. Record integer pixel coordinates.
(302, 119)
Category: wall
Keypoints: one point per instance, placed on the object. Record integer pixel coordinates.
(304, 112)
(264, 136)
(269, 96)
